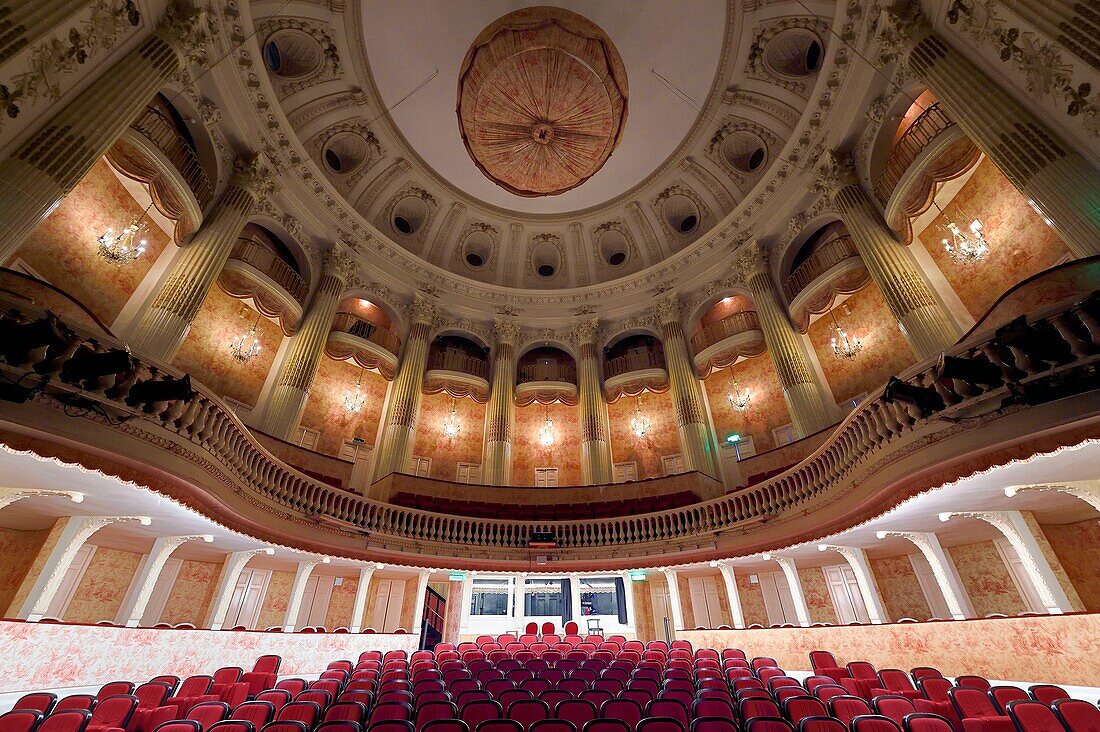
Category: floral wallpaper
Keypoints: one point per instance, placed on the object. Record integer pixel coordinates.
(103, 585)
(726, 307)
(686, 605)
(340, 604)
(1020, 242)
(767, 409)
(205, 351)
(986, 579)
(19, 549)
(64, 251)
(192, 593)
(53, 534)
(446, 453)
(1077, 547)
(325, 407)
(865, 316)
(273, 609)
(899, 588)
(816, 591)
(643, 610)
(1068, 282)
(1052, 559)
(366, 310)
(408, 604)
(752, 600)
(564, 454)
(662, 438)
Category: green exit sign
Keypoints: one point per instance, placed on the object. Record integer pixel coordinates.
(637, 576)
(733, 438)
(457, 576)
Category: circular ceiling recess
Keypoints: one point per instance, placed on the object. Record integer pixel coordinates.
(542, 101)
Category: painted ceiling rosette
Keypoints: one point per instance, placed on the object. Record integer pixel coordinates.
(542, 101)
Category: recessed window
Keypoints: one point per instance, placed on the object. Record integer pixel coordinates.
(546, 270)
(616, 258)
(796, 53)
(402, 224)
(409, 215)
(813, 56)
(688, 224)
(273, 57)
(756, 159)
(474, 259)
(333, 161)
(292, 54)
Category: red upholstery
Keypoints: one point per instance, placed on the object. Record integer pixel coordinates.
(824, 663)
(41, 701)
(1002, 695)
(768, 724)
(112, 713)
(20, 720)
(821, 724)
(1077, 715)
(1047, 693)
(72, 720)
(1033, 716)
(873, 723)
(977, 712)
(208, 713)
(894, 706)
(847, 708)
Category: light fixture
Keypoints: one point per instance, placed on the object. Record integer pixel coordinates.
(244, 347)
(640, 424)
(739, 400)
(452, 425)
(547, 433)
(124, 246)
(354, 401)
(963, 247)
(845, 347)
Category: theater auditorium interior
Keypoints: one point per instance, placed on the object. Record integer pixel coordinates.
(585, 366)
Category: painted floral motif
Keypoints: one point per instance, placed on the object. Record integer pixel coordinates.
(661, 440)
(325, 409)
(766, 411)
(1078, 548)
(899, 588)
(446, 453)
(986, 579)
(817, 595)
(273, 609)
(564, 454)
(19, 549)
(103, 586)
(192, 593)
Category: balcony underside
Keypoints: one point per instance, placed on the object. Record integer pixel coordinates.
(367, 354)
(726, 351)
(633, 383)
(457, 384)
(843, 278)
(242, 280)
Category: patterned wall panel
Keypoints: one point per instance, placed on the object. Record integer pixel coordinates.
(103, 586)
(273, 610)
(766, 411)
(817, 595)
(900, 589)
(192, 593)
(661, 439)
(1078, 548)
(564, 454)
(446, 453)
(19, 549)
(325, 408)
(986, 579)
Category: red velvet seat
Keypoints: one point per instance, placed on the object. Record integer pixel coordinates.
(257, 713)
(208, 713)
(72, 720)
(75, 701)
(41, 701)
(112, 713)
(847, 708)
(873, 723)
(1076, 715)
(1032, 716)
(608, 725)
(20, 720)
(894, 706)
(821, 724)
(824, 663)
(921, 722)
(797, 708)
(977, 711)
(477, 712)
(1047, 693)
(768, 724)
(1003, 695)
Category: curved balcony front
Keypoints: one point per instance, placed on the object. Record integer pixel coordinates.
(1018, 391)
(370, 345)
(458, 373)
(834, 269)
(546, 383)
(254, 271)
(723, 342)
(631, 373)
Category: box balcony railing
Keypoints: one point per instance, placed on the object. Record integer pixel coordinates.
(564, 372)
(160, 131)
(717, 332)
(356, 326)
(636, 360)
(450, 359)
(818, 263)
(272, 266)
(909, 146)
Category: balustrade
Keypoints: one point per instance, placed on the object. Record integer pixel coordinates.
(924, 129)
(451, 359)
(730, 325)
(1025, 362)
(160, 131)
(565, 372)
(818, 263)
(635, 360)
(356, 326)
(272, 265)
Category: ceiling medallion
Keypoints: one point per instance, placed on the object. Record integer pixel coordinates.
(542, 99)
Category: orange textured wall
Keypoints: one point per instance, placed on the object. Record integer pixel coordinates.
(817, 595)
(340, 604)
(273, 610)
(885, 350)
(192, 593)
(63, 249)
(752, 600)
(661, 439)
(205, 351)
(103, 586)
(564, 454)
(445, 453)
(365, 310)
(30, 576)
(1020, 242)
(726, 307)
(325, 408)
(986, 579)
(643, 610)
(899, 588)
(19, 549)
(766, 411)
(1077, 546)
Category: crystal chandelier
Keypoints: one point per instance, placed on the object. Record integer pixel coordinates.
(963, 247)
(354, 401)
(124, 246)
(640, 424)
(844, 346)
(739, 400)
(547, 433)
(452, 425)
(244, 347)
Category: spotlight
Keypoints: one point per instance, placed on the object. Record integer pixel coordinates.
(19, 339)
(970, 370)
(1039, 344)
(151, 391)
(924, 399)
(88, 365)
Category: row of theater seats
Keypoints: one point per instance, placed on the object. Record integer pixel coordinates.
(555, 512)
(236, 628)
(617, 687)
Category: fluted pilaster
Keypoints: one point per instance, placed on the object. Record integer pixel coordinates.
(403, 410)
(49, 164)
(163, 326)
(1062, 185)
(23, 22)
(693, 428)
(595, 425)
(500, 415)
(925, 323)
(287, 401)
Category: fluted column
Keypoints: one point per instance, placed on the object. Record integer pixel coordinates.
(50, 164)
(282, 413)
(162, 327)
(925, 323)
(403, 410)
(861, 568)
(23, 22)
(360, 603)
(729, 578)
(418, 604)
(674, 606)
(595, 426)
(805, 399)
(500, 415)
(693, 428)
(1062, 185)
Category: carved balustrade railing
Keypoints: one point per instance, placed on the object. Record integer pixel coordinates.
(273, 266)
(636, 360)
(730, 325)
(450, 359)
(1053, 355)
(356, 326)
(913, 141)
(818, 263)
(160, 131)
(557, 371)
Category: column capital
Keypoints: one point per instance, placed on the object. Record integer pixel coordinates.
(340, 263)
(505, 330)
(423, 311)
(836, 171)
(186, 29)
(902, 27)
(251, 172)
(668, 309)
(586, 331)
(750, 260)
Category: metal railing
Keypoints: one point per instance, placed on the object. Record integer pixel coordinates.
(818, 264)
(636, 360)
(924, 129)
(450, 359)
(273, 266)
(556, 371)
(730, 325)
(356, 326)
(160, 131)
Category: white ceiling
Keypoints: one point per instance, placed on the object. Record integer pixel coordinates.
(407, 41)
